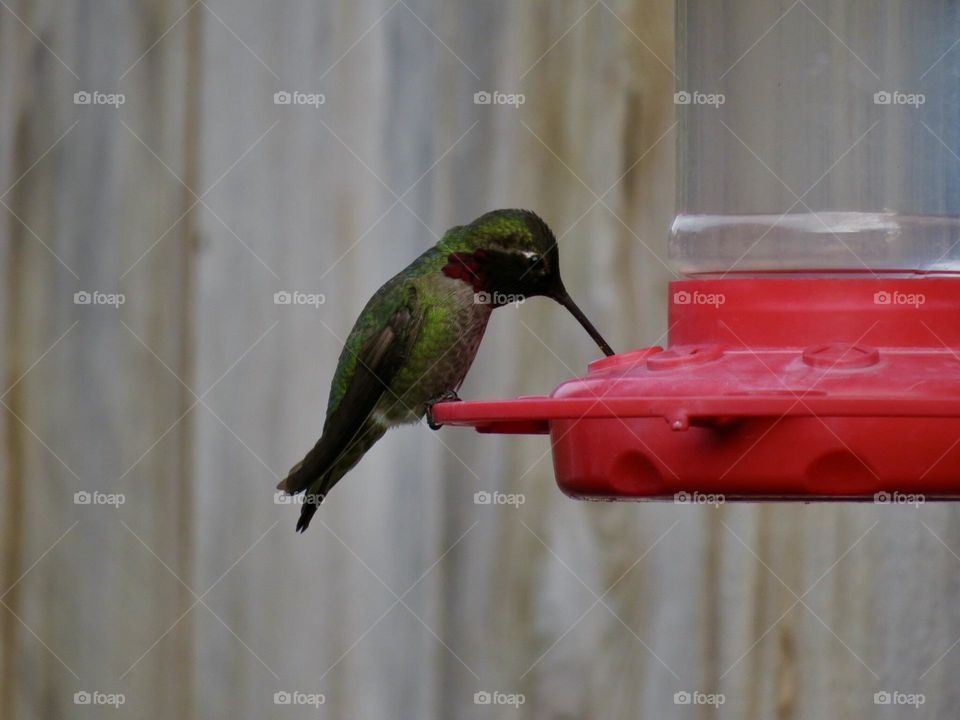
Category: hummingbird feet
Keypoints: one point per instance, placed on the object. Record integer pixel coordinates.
(448, 396)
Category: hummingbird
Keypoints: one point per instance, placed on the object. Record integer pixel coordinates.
(416, 338)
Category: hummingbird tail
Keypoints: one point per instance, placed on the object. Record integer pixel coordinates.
(288, 483)
(322, 468)
(306, 515)
(313, 499)
(305, 473)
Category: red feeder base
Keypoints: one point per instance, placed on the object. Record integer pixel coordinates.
(800, 388)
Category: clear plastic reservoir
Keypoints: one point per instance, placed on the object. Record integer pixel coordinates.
(817, 136)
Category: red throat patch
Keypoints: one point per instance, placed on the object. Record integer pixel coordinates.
(467, 267)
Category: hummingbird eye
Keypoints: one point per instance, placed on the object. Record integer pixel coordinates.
(533, 259)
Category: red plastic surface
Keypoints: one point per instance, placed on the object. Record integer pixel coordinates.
(769, 388)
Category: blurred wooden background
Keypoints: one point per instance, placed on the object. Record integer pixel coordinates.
(198, 199)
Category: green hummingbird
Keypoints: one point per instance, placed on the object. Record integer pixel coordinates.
(418, 335)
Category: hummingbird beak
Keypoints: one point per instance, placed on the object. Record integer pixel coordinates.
(562, 297)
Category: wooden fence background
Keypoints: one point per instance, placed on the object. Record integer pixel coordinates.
(198, 198)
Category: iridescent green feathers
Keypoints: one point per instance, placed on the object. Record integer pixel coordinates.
(417, 336)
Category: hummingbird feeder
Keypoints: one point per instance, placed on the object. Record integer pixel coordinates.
(813, 350)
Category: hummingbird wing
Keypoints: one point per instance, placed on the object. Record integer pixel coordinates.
(380, 355)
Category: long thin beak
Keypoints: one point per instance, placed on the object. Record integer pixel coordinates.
(564, 299)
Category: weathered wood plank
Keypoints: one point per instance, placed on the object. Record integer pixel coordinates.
(306, 198)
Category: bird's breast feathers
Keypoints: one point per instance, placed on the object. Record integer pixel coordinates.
(453, 325)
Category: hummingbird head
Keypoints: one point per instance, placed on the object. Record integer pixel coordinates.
(512, 255)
